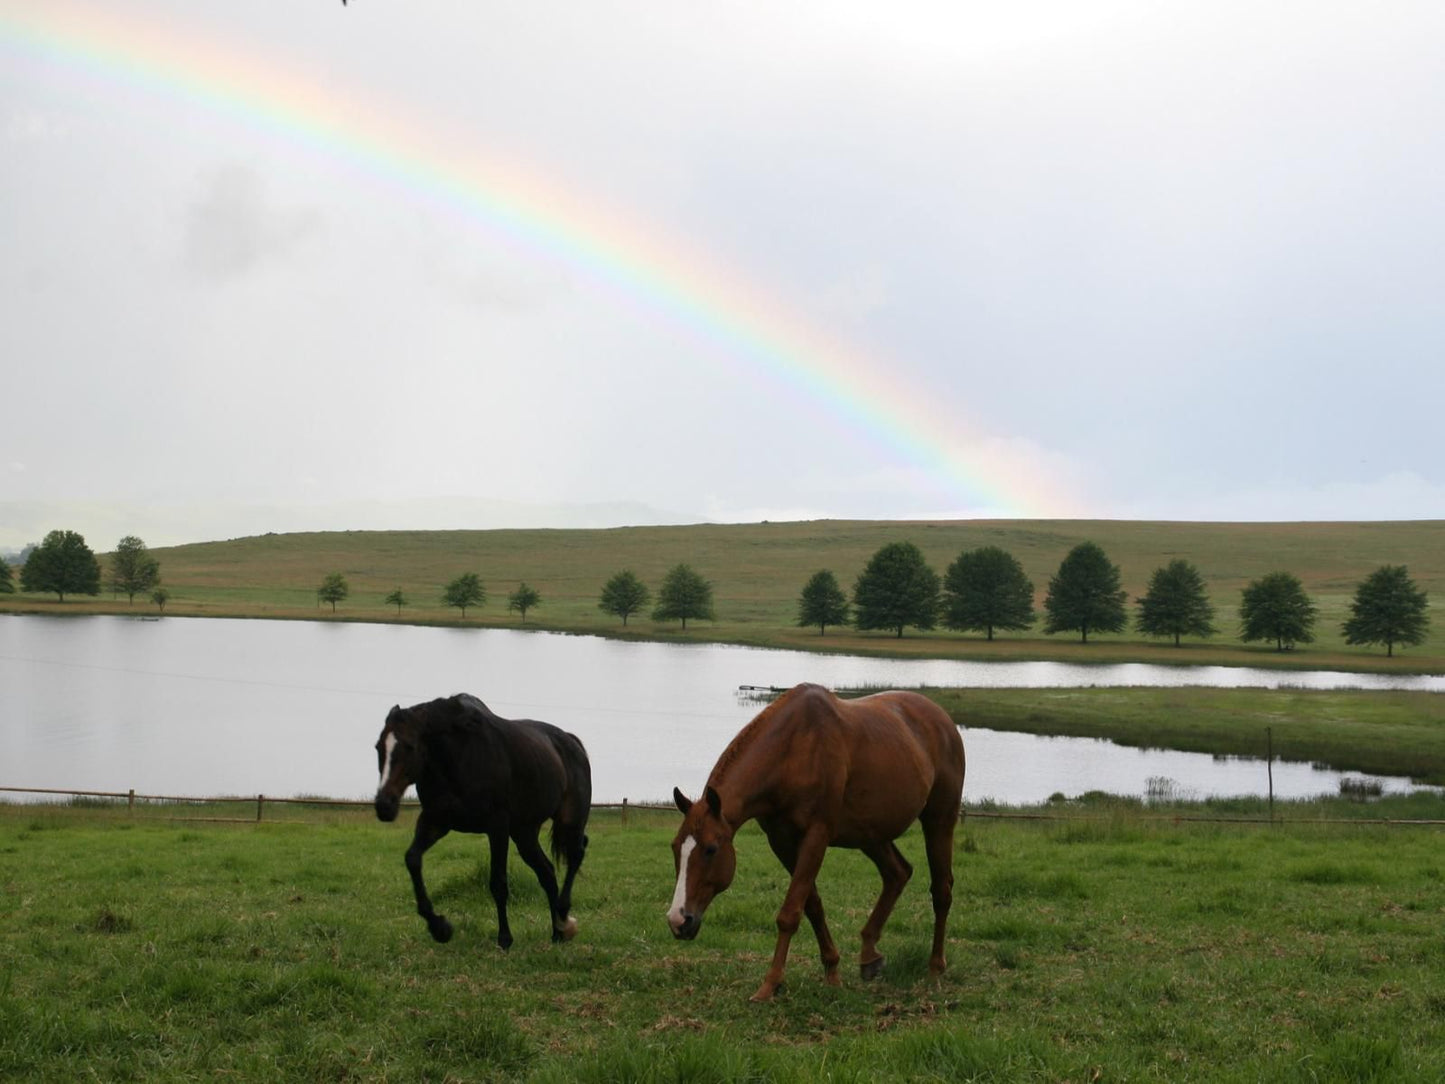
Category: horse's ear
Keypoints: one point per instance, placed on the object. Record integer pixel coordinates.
(714, 803)
(684, 803)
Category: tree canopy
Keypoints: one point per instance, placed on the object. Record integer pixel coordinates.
(1388, 609)
(986, 589)
(623, 595)
(7, 578)
(398, 599)
(683, 594)
(1085, 594)
(895, 589)
(466, 590)
(333, 589)
(63, 563)
(132, 568)
(1176, 603)
(822, 602)
(523, 599)
(1275, 607)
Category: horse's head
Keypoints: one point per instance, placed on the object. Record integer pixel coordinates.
(398, 758)
(703, 853)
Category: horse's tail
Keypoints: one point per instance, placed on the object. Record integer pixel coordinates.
(569, 826)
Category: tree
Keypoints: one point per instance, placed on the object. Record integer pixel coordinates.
(466, 590)
(1275, 607)
(986, 589)
(1388, 609)
(897, 588)
(683, 594)
(1177, 603)
(822, 602)
(523, 599)
(132, 568)
(1085, 594)
(7, 578)
(624, 594)
(63, 563)
(397, 599)
(160, 596)
(333, 589)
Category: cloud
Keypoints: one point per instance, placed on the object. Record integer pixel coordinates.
(32, 126)
(1394, 496)
(231, 229)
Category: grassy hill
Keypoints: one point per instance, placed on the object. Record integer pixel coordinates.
(758, 570)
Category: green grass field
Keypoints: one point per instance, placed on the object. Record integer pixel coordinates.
(758, 571)
(1111, 948)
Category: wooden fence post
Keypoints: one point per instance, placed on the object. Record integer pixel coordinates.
(1269, 762)
(130, 802)
(624, 812)
(260, 800)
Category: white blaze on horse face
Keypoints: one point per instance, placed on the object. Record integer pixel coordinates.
(386, 764)
(679, 895)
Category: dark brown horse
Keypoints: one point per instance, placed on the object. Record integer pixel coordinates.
(816, 772)
(477, 772)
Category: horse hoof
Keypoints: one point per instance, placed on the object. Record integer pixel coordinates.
(766, 991)
(872, 969)
(569, 929)
(441, 929)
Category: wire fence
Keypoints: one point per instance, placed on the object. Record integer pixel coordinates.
(259, 801)
(262, 801)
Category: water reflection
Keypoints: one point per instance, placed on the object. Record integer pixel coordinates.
(211, 706)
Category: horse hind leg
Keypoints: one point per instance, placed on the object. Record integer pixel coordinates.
(532, 854)
(938, 837)
(574, 850)
(895, 871)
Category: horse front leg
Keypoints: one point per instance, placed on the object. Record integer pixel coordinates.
(498, 883)
(785, 845)
(427, 832)
(895, 871)
(811, 850)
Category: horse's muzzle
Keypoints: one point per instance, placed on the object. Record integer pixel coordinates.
(386, 807)
(688, 929)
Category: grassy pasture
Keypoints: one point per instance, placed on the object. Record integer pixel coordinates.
(759, 569)
(1112, 948)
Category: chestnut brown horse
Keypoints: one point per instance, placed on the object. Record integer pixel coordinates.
(816, 772)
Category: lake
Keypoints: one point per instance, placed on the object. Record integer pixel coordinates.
(202, 706)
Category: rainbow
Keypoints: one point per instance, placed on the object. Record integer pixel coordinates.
(968, 469)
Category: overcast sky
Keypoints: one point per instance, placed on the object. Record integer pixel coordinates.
(280, 265)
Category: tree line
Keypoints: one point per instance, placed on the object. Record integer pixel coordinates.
(986, 589)
(63, 563)
(983, 590)
(683, 594)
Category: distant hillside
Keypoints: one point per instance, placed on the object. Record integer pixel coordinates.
(758, 570)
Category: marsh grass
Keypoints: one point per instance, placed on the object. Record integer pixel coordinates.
(1385, 733)
(1120, 947)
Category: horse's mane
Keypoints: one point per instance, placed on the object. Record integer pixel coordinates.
(750, 733)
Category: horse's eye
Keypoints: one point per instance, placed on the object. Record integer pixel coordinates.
(709, 850)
